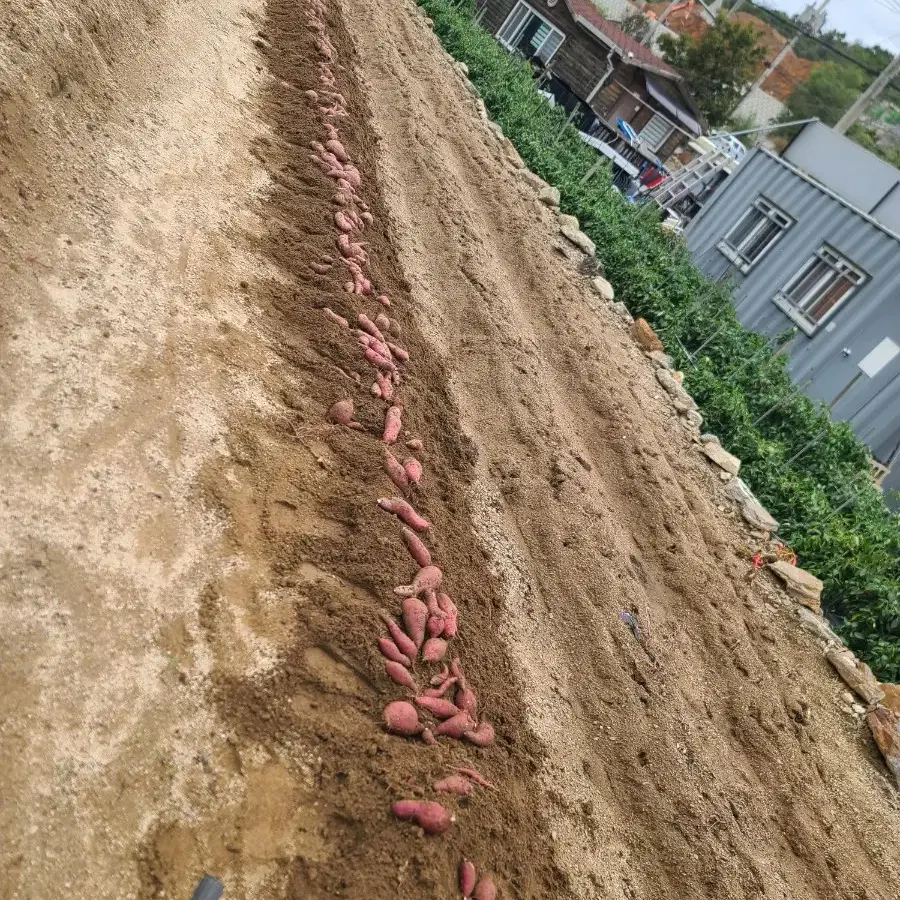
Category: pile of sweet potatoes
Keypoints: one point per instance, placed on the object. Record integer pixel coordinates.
(439, 703)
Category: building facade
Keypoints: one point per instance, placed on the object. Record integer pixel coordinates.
(810, 241)
(593, 65)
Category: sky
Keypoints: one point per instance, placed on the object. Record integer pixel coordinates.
(867, 21)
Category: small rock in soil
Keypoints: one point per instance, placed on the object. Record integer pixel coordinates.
(603, 288)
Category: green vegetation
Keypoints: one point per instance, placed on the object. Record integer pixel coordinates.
(717, 66)
(854, 547)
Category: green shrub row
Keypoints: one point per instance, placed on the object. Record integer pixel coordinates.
(854, 547)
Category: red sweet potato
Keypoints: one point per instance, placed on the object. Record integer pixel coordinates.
(402, 718)
(415, 615)
(369, 326)
(455, 784)
(337, 148)
(456, 670)
(431, 817)
(474, 776)
(414, 444)
(399, 675)
(461, 724)
(384, 383)
(442, 709)
(320, 268)
(482, 736)
(485, 889)
(334, 317)
(342, 412)
(343, 222)
(417, 550)
(392, 424)
(427, 579)
(403, 641)
(379, 361)
(466, 700)
(397, 474)
(467, 878)
(390, 650)
(435, 649)
(404, 512)
(435, 626)
(383, 322)
(428, 736)
(445, 686)
(384, 300)
(399, 352)
(448, 608)
(413, 469)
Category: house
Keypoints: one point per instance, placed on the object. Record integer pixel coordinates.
(811, 241)
(592, 66)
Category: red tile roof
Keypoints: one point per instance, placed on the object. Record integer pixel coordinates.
(641, 56)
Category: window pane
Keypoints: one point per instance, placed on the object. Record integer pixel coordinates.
(743, 228)
(509, 32)
(550, 45)
(833, 294)
(803, 287)
(758, 242)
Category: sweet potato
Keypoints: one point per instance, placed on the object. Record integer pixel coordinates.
(466, 700)
(461, 724)
(384, 383)
(383, 322)
(404, 512)
(375, 390)
(417, 550)
(399, 352)
(402, 718)
(415, 615)
(474, 776)
(442, 709)
(440, 677)
(337, 148)
(367, 217)
(334, 317)
(399, 675)
(482, 736)
(467, 878)
(320, 268)
(379, 361)
(403, 641)
(389, 649)
(413, 469)
(352, 175)
(485, 889)
(428, 736)
(435, 626)
(341, 413)
(392, 423)
(397, 474)
(427, 578)
(445, 686)
(312, 95)
(454, 784)
(342, 221)
(456, 670)
(384, 300)
(448, 608)
(431, 817)
(414, 444)
(434, 650)
(368, 325)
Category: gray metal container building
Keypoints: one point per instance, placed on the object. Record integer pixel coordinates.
(803, 255)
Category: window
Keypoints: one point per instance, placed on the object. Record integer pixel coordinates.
(819, 288)
(655, 133)
(755, 232)
(529, 34)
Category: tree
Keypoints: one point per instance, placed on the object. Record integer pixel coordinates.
(636, 25)
(827, 94)
(717, 66)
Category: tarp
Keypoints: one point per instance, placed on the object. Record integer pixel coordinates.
(665, 99)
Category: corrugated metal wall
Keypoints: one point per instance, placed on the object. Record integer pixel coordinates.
(872, 313)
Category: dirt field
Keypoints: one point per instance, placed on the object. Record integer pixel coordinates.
(193, 562)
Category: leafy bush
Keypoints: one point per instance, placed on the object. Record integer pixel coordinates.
(811, 473)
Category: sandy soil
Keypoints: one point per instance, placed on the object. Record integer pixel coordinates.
(193, 560)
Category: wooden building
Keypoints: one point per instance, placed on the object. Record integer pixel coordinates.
(594, 66)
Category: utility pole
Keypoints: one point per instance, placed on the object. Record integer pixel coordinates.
(867, 96)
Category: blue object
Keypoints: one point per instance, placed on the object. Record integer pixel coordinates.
(626, 130)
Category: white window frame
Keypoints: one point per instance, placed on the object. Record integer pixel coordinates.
(511, 40)
(839, 267)
(770, 213)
